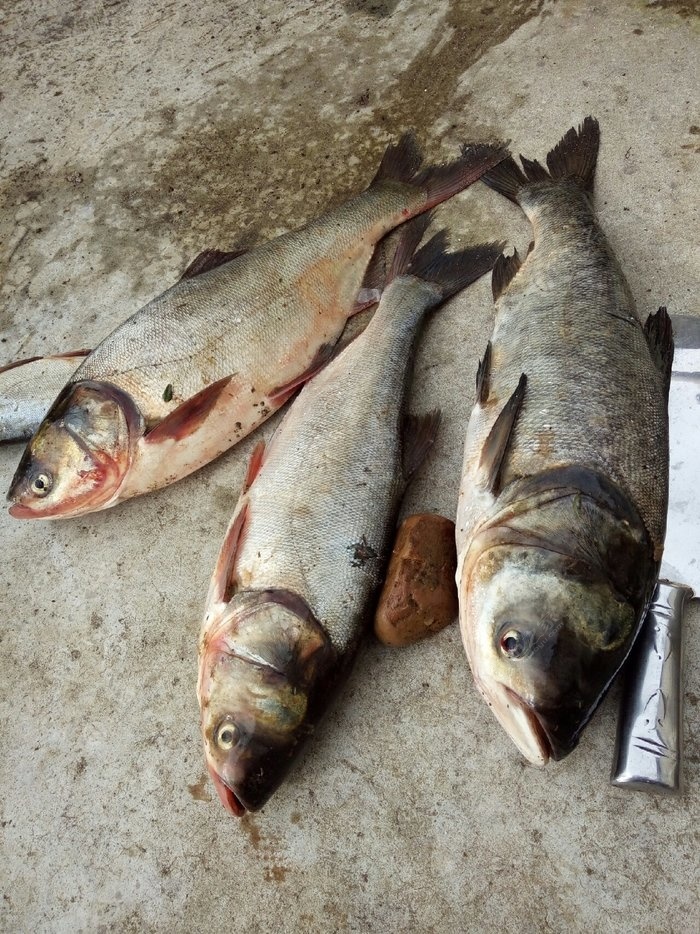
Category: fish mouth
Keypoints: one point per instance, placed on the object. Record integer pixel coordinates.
(18, 511)
(227, 795)
(540, 735)
(522, 724)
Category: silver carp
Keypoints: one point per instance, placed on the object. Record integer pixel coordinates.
(27, 389)
(206, 362)
(297, 576)
(562, 506)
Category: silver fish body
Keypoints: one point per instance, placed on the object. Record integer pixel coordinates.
(202, 365)
(27, 389)
(307, 547)
(562, 506)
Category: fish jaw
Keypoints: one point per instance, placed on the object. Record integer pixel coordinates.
(78, 458)
(226, 795)
(265, 669)
(105, 475)
(519, 721)
(539, 735)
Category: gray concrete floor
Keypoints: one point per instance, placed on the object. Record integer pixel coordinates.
(136, 134)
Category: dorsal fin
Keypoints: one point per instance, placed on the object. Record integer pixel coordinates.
(209, 259)
(503, 272)
(496, 445)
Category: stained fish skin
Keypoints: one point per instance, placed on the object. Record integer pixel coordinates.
(27, 389)
(297, 575)
(562, 505)
(202, 365)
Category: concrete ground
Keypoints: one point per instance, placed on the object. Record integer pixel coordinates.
(136, 134)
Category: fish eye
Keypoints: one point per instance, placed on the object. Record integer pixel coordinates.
(513, 643)
(41, 484)
(226, 735)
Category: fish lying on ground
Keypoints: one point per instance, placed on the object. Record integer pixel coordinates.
(202, 365)
(296, 577)
(562, 507)
(27, 389)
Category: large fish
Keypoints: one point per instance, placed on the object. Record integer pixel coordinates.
(202, 365)
(562, 506)
(28, 388)
(296, 577)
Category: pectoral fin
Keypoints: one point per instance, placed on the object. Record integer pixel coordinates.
(254, 464)
(186, 418)
(504, 272)
(483, 376)
(659, 334)
(223, 582)
(496, 446)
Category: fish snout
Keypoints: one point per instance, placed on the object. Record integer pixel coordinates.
(227, 797)
(561, 728)
(20, 511)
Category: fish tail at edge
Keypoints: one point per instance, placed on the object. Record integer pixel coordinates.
(574, 157)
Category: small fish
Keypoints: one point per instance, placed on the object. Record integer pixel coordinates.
(562, 506)
(206, 362)
(303, 556)
(27, 389)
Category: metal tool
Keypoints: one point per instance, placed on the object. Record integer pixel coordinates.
(649, 747)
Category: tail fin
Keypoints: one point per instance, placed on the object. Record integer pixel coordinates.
(574, 157)
(452, 272)
(391, 256)
(404, 240)
(402, 162)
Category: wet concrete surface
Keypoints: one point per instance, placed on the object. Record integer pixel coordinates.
(134, 135)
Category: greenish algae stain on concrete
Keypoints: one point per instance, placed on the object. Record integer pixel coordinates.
(222, 173)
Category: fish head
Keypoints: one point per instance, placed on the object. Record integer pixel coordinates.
(544, 643)
(79, 455)
(263, 677)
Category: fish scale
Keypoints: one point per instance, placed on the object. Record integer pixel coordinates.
(332, 477)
